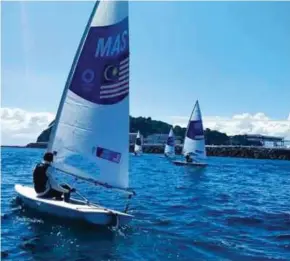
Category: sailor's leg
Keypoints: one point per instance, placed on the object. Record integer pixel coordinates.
(66, 186)
(53, 194)
(66, 195)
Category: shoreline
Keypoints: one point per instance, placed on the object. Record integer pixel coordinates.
(229, 151)
(217, 151)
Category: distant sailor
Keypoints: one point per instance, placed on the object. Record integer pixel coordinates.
(188, 158)
(44, 184)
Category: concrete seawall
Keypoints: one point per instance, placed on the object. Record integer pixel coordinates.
(230, 151)
(219, 151)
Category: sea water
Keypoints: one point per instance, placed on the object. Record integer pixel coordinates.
(235, 209)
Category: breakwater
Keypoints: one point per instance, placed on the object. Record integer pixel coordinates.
(219, 151)
(229, 151)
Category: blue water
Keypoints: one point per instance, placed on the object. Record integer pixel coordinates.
(235, 209)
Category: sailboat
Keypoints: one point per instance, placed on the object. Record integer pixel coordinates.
(194, 143)
(94, 105)
(169, 150)
(138, 145)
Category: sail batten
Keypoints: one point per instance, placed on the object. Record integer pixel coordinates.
(92, 122)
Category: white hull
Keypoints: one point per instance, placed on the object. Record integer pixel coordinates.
(193, 164)
(74, 210)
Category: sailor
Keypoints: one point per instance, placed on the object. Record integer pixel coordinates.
(44, 184)
(188, 158)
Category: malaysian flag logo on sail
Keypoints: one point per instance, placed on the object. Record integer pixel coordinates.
(115, 82)
(109, 155)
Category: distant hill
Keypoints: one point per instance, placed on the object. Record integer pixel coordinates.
(147, 126)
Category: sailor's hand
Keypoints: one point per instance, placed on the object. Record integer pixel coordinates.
(72, 190)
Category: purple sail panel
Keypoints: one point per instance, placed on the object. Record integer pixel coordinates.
(108, 155)
(195, 130)
(138, 141)
(102, 72)
(170, 141)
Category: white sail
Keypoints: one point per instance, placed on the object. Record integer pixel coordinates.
(92, 122)
(138, 143)
(170, 144)
(194, 142)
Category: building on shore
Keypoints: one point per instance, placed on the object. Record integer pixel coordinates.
(156, 138)
(160, 138)
(266, 141)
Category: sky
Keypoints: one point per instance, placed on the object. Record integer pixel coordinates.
(234, 57)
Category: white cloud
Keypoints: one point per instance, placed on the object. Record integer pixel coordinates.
(19, 127)
(244, 123)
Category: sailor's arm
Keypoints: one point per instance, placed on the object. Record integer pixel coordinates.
(53, 183)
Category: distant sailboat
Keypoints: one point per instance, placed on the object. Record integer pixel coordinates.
(169, 150)
(138, 144)
(194, 144)
(94, 104)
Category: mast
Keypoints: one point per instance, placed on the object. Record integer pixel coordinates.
(69, 78)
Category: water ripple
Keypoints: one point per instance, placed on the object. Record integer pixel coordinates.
(235, 209)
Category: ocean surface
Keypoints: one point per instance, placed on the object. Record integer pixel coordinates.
(235, 209)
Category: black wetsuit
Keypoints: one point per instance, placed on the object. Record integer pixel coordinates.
(188, 159)
(40, 178)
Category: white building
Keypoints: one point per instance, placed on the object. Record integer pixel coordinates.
(156, 138)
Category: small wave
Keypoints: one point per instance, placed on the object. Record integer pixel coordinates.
(181, 187)
(4, 216)
(277, 221)
(216, 246)
(163, 222)
(4, 254)
(178, 206)
(283, 237)
(244, 221)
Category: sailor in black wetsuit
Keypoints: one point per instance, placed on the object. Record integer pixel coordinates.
(188, 158)
(44, 184)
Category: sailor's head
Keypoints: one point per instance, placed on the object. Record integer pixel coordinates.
(48, 157)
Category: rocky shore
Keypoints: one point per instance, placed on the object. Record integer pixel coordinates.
(229, 151)
(219, 151)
